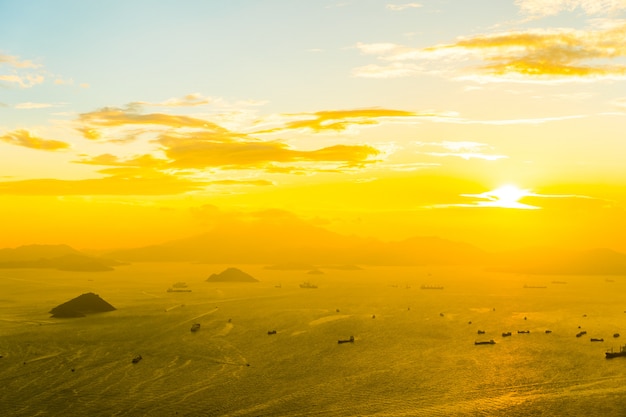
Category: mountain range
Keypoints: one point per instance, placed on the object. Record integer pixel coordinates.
(60, 257)
(284, 241)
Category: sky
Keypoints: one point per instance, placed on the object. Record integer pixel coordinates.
(497, 123)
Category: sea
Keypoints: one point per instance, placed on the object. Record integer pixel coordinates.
(414, 351)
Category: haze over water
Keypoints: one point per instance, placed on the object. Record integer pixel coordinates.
(413, 354)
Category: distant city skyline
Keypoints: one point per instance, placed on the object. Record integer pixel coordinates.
(130, 123)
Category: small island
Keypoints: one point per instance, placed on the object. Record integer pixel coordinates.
(232, 275)
(82, 305)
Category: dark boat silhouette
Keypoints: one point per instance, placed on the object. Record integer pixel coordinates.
(136, 359)
(351, 340)
(611, 354)
(523, 331)
(307, 284)
(195, 327)
(505, 334)
(579, 334)
(485, 342)
(480, 332)
(269, 332)
(593, 339)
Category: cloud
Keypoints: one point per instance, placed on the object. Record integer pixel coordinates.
(21, 71)
(112, 117)
(465, 150)
(16, 62)
(189, 100)
(205, 150)
(144, 161)
(24, 81)
(339, 120)
(393, 70)
(24, 138)
(400, 7)
(162, 185)
(241, 182)
(552, 7)
(28, 105)
(533, 55)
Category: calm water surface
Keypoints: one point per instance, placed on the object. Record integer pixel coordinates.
(413, 355)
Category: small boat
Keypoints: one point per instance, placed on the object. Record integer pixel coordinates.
(195, 327)
(431, 287)
(480, 332)
(610, 354)
(579, 334)
(548, 331)
(593, 339)
(269, 332)
(485, 342)
(505, 334)
(307, 284)
(615, 334)
(351, 340)
(523, 331)
(136, 359)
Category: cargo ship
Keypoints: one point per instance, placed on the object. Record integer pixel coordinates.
(611, 354)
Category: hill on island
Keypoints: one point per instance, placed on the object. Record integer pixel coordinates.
(287, 242)
(232, 275)
(60, 257)
(82, 305)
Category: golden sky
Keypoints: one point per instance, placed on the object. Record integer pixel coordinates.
(132, 123)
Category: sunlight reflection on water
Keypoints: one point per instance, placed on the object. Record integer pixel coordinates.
(414, 352)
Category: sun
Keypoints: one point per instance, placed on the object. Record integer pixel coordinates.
(508, 196)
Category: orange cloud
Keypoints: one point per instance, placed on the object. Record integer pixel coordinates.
(146, 161)
(189, 100)
(109, 117)
(23, 138)
(241, 182)
(117, 185)
(203, 151)
(339, 120)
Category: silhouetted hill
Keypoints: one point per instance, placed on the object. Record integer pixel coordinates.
(285, 240)
(232, 275)
(35, 252)
(80, 306)
(561, 262)
(61, 257)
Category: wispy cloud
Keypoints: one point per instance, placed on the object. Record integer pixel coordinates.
(552, 7)
(115, 185)
(462, 149)
(400, 7)
(24, 81)
(261, 183)
(201, 151)
(339, 120)
(189, 100)
(21, 72)
(28, 105)
(24, 138)
(16, 62)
